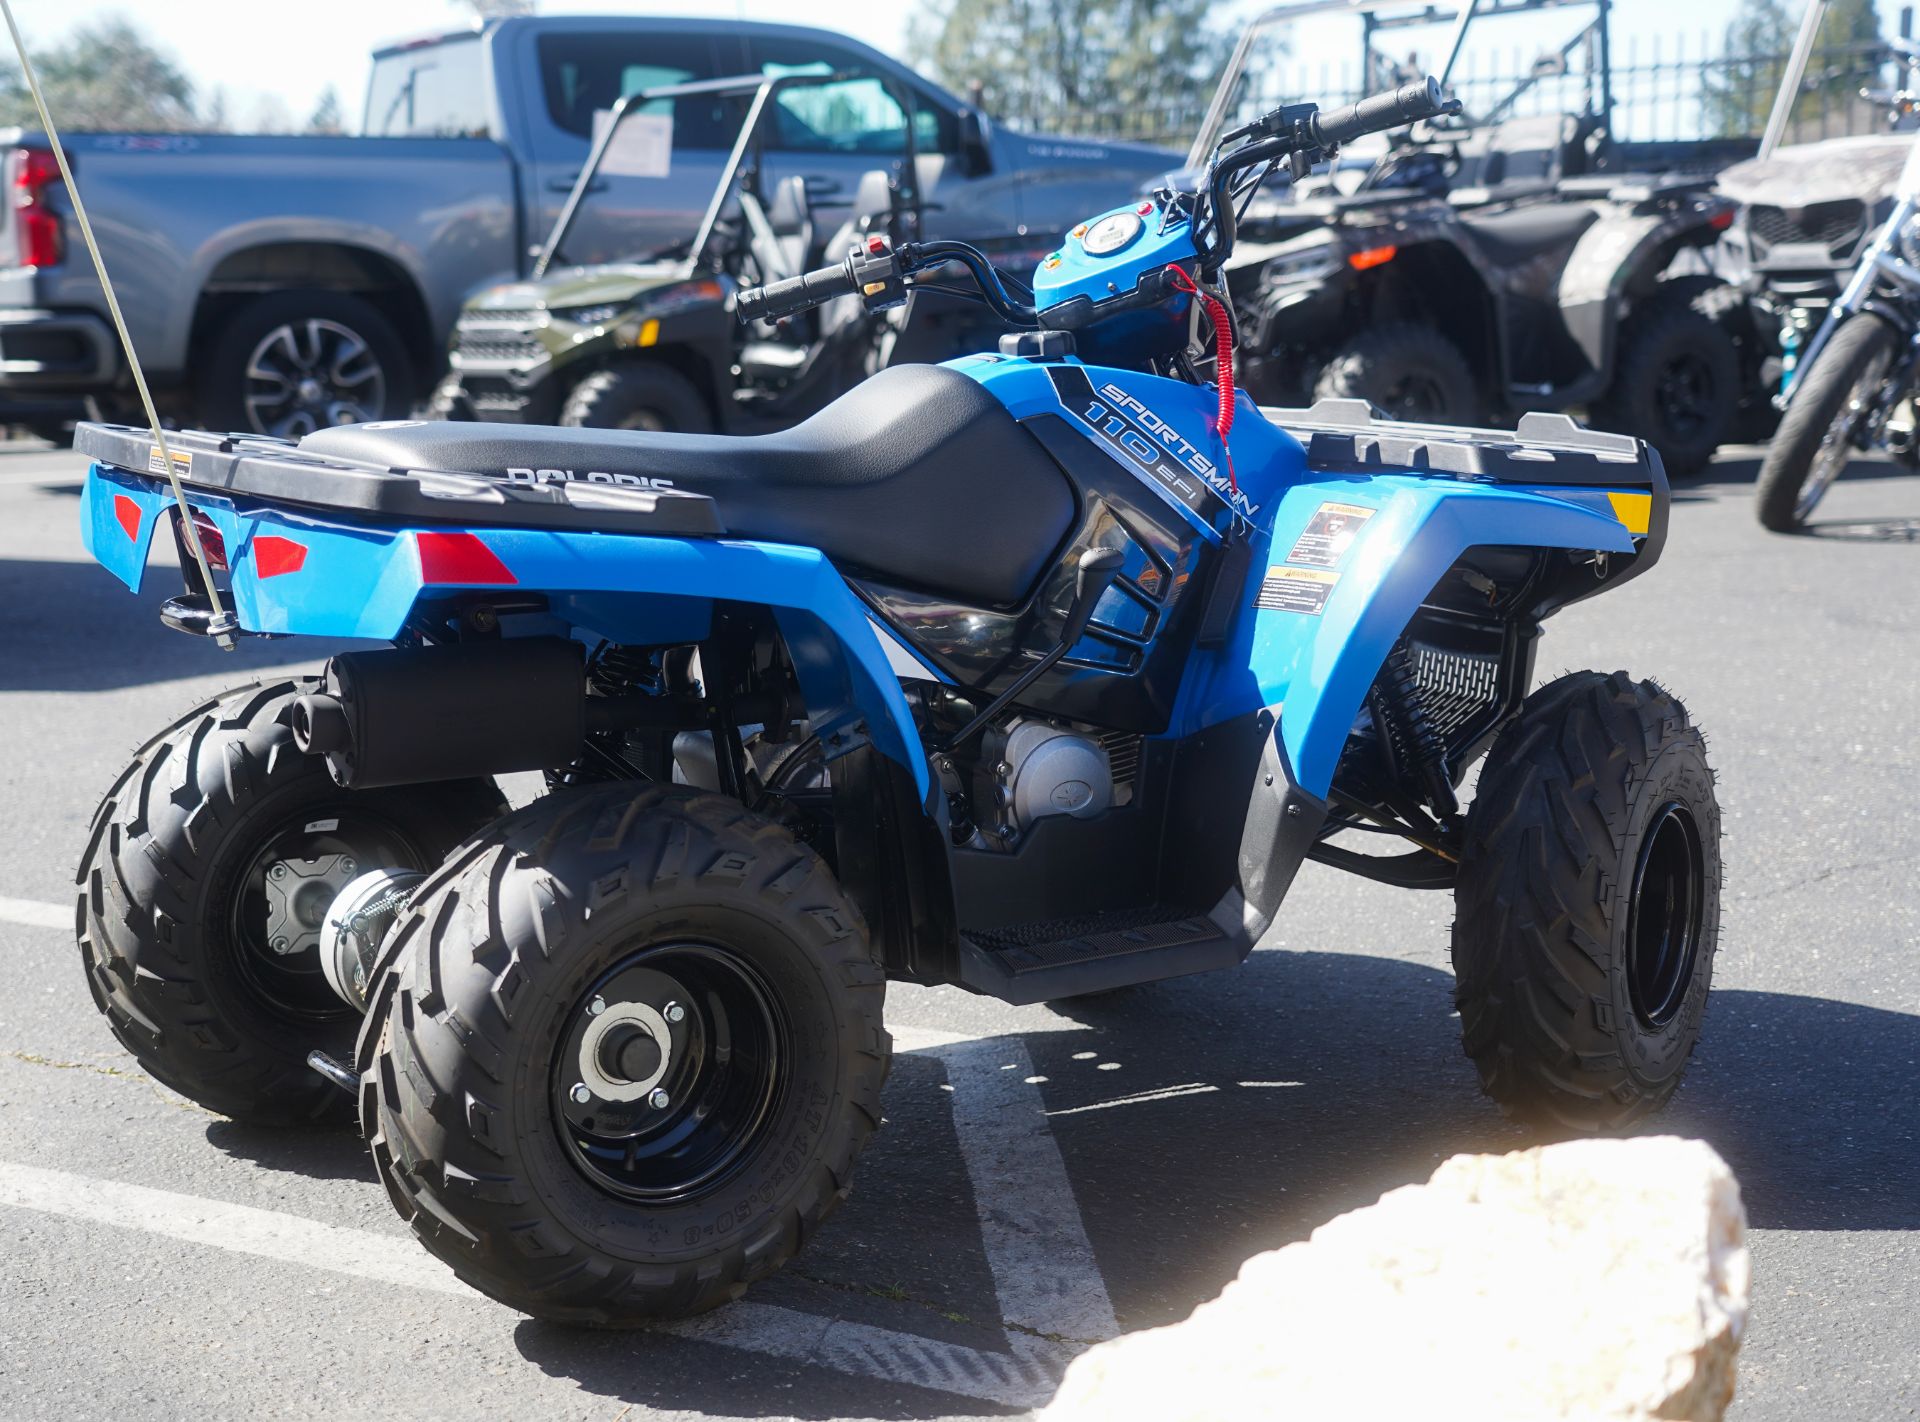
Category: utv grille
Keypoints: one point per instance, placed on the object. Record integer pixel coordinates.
(499, 347)
(507, 316)
(1457, 687)
(1123, 755)
(1834, 225)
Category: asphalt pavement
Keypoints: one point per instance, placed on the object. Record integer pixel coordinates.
(1044, 1173)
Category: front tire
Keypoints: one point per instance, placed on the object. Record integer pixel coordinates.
(1588, 905)
(204, 962)
(527, 1017)
(1817, 433)
(1406, 370)
(637, 396)
(1676, 379)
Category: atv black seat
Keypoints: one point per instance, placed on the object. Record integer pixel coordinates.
(917, 475)
(1511, 238)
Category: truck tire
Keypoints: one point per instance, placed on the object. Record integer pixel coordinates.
(1406, 370)
(1587, 907)
(175, 912)
(293, 362)
(595, 924)
(1676, 379)
(1815, 439)
(1729, 308)
(640, 395)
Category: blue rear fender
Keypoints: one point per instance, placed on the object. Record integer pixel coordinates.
(1315, 666)
(292, 574)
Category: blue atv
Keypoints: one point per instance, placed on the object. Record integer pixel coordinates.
(1039, 673)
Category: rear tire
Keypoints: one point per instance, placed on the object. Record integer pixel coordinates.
(1676, 379)
(638, 396)
(175, 914)
(572, 1202)
(261, 360)
(1588, 905)
(1406, 370)
(1817, 427)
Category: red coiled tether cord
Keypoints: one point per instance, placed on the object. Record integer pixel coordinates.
(1222, 361)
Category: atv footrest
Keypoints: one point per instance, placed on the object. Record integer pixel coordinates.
(1036, 962)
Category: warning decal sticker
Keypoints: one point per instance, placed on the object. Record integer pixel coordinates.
(182, 462)
(1328, 534)
(1300, 590)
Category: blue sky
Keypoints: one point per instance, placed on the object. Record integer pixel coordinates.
(276, 57)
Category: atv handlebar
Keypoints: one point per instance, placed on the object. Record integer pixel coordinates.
(1410, 102)
(870, 272)
(795, 294)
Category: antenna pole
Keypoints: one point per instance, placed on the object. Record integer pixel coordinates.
(224, 624)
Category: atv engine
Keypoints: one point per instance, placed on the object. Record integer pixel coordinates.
(1031, 769)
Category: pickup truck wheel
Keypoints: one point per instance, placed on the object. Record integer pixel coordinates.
(1676, 380)
(205, 873)
(299, 361)
(621, 1056)
(1587, 907)
(637, 397)
(1407, 371)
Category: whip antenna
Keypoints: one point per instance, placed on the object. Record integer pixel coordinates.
(223, 625)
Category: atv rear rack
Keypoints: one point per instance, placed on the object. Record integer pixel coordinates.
(1346, 436)
(276, 471)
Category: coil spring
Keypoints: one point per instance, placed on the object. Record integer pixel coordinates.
(1400, 707)
(616, 669)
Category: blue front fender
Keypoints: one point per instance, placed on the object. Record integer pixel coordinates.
(1317, 667)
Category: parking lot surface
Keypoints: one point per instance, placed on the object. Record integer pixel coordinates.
(1045, 1174)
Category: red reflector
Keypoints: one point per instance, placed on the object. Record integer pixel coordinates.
(128, 513)
(1372, 257)
(273, 556)
(1721, 221)
(459, 558)
(211, 542)
(36, 226)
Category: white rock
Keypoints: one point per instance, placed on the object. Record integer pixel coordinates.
(1590, 1280)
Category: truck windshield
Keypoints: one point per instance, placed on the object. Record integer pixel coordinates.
(436, 90)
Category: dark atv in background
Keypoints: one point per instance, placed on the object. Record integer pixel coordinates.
(1494, 264)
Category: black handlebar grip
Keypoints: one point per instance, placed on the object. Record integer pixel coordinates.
(1381, 111)
(795, 294)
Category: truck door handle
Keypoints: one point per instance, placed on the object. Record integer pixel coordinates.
(565, 185)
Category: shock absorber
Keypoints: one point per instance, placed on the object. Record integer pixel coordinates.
(1400, 709)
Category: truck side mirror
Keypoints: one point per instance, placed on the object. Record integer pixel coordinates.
(976, 149)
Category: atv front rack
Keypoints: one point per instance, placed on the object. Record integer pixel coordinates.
(1543, 450)
(276, 471)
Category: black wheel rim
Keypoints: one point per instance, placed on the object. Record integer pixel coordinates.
(669, 1072)
(1684, 395)
(282, 893)
(1416, 396)
(1663, 923)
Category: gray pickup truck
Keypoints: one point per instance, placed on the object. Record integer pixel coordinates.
(282, 283)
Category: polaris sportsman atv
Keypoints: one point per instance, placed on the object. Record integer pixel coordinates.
(1493, 264)
(1039, 673)
(652, 344)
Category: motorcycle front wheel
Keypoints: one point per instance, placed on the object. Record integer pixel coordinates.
(1820, 431)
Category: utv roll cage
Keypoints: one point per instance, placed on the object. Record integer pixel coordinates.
(1378, 69)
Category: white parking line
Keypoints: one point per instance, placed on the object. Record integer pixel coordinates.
(1045, 1276)
(36, 915)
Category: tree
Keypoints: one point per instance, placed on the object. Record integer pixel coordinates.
(327, 116)
(1136, 65)
(1758, 41)
(106, 75)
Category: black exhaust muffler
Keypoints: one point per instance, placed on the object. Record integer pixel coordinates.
(411, 715)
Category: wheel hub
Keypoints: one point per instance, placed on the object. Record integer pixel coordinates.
(298, 894)
(306, 375)
(1663, 923)
(668, 1072)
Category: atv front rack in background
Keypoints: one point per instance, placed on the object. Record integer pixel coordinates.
(276, 471)
(1347, 437)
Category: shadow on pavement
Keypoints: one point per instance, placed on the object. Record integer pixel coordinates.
(1209, 1119)
(71, 627)
(333, 1152)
